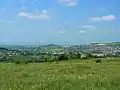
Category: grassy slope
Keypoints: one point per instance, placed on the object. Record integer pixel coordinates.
(71, 75)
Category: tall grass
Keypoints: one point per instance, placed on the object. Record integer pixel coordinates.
(65, 75)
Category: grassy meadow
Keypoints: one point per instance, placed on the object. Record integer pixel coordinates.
(65, 75)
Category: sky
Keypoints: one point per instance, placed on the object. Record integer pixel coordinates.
(59, 21)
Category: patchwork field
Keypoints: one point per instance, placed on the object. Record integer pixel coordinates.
(66, 75)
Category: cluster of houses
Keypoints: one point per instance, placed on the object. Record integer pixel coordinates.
(100, 50)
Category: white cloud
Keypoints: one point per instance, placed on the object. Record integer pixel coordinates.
(88, 27)
(23, 14)
(44, 11)
(68, 2)
(103, 18)
(82, 31)
(43, 15)
(84, 28)
(62, 31)
(33, 1)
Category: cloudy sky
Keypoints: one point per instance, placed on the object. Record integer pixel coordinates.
(59, 21)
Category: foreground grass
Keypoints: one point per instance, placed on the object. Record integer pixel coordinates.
(67, 75)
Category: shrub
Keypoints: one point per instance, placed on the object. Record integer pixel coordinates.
(17, 62)
(63, 57)
(89, 55)
(98, 61)
(30, 61)
(26, 62)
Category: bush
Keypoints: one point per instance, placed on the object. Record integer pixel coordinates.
(63, 57)
(85, 58)
(26, 62)
(21, 62)
(89, 55)
(30, 61)
(98, 61)
(17, 62)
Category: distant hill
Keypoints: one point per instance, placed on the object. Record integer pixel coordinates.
(1, 48)
(116, 42)
(50, 45)
(112, 43)
(11, 47)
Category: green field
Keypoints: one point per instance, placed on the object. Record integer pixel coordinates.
(66, 75)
